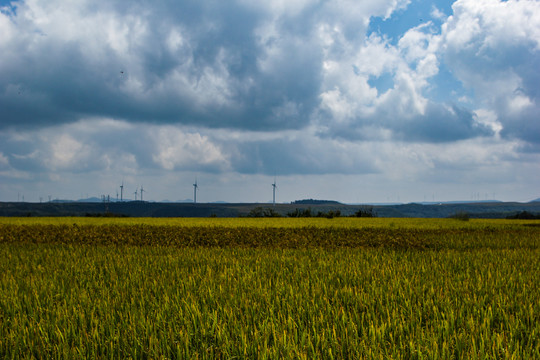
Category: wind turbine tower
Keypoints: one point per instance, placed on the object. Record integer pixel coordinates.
(122, 192)
(195, 187)
(274, 193)
(142, 190)
(136, 190)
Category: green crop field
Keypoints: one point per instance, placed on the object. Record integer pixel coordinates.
(344, 288)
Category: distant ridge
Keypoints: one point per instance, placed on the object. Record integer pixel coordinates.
(87, 200)
(458, 202)
(315, 202)
(535, 200)
(154, 209)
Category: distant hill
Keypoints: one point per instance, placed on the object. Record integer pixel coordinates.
(160, 209)
(315, 202)
(91, 199)
(535, 200)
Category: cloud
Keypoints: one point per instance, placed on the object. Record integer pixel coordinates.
(267, 67)
(99, 153)
(246, 89)
(234, 65)
(436, 13)
(210, 64)
(352, 108)
(492, 47)
(178, 149)
(109, 145)
(4, 162)
(302, 154)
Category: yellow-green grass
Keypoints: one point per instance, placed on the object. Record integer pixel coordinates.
(249, 288)
(341, 222)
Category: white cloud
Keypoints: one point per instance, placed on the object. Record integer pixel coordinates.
(494, 47)
(351, 107)
(4, 161)
(7, 28)
(67, 152)
(418, 43)
(471, 45)
(376, 56)
(436, 13)
(351, 11)
(489, 118)
(176, 149)
(518, 103)
(278, 7)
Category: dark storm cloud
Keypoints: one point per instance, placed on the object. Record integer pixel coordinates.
(247, 66)
(438, 124)
(525, 125)
(214, 77)
(442, 124)
(287, 157)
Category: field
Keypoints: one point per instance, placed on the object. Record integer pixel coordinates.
(269, 288)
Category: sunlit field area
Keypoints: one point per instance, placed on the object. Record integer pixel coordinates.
(345, 288)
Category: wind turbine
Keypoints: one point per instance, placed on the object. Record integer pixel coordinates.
(136, 190)
(195, 187)
(274, 193)
(122, 191)
(142, 190)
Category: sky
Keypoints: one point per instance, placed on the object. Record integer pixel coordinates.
(355, 101)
